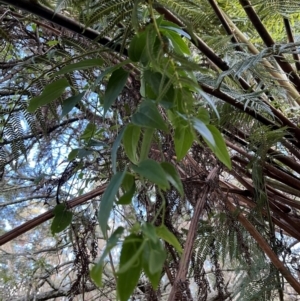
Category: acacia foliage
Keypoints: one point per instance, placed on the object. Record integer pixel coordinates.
(143, 115)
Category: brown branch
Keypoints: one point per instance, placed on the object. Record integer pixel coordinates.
(227, 28)
(61, 20)
(293, 129)
(270, 170)
(6, 142)
(48, 215)
(266, 37)
(53, 294)
(291, 40)
(266, 248)
(210, 54)
(188, 248)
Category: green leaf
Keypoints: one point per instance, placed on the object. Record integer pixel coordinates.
(50, 93)
(148, 116)
(85, 64)
(204, 131)
(114, 149)
(96, 273)
(203, 115)
(82, 153)
(130, 141)
(164, 233)
(146, 143)
(209, 100)
(94, 142)
(129, 186)
(108, 199)
(114, 87)
(178, 43)
(149, 231)
(89, 132)
(153, 277)
(157, 257)
(137, 46)
(151, 170)
(52, 43)
(107, 71)
(176, 29)
(173, 176)
(183, 140)
(70, 103)
(72, 155)
(79, 153)
(62, 218)
(134, 257)
(128, 279)
(220, 149)
(152, 80)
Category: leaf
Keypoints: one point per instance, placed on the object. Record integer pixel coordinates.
(108, 199)
(70, 103)
(173, 176)
(52, 43)
(94, 142)
(220, 149)
(114, 87)
(96, 273)
(209, 100)
(85, 64)
(183, 140)
(176, 29)
(149, 231)
(148, 116)
(134, 257)
(107, 71)
(152, 80)
(164, 233)
(157, 257)
(129, 186)
(112, 242)
(130, 141)
(137, 46)
(153, 277)
(89, 131)
(114, 149)
(151, 170)
(128, 280)
(203, 115)
(72, 155)
(204, 131)
(178, 43)
(62, 218)
(50, 93)
(82, 153)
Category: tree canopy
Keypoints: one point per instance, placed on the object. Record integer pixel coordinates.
(149, 150)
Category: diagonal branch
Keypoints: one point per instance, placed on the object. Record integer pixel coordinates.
(266, 248)
(48, 215)
(61, 20)
(266, 37)
(188, 248)
(291, 40)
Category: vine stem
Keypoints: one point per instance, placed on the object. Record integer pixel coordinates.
(188, 248)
